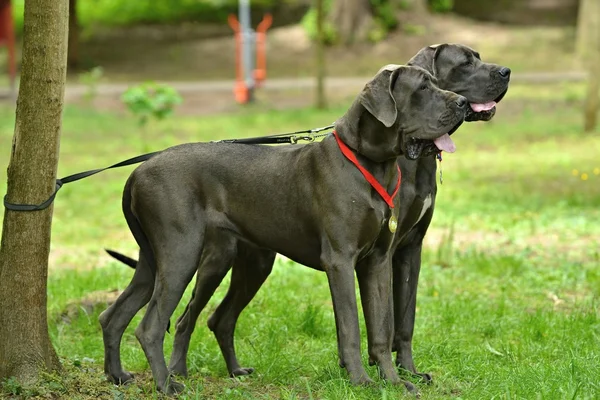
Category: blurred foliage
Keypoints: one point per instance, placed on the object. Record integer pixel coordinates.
(122, 12)
(384, 13)
(441, 6)
(309, 23)
(151, 100)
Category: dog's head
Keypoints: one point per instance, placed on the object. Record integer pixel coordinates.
(400, 111)
(459, 69)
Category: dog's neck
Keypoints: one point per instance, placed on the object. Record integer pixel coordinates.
(365, 136)
(368, 137)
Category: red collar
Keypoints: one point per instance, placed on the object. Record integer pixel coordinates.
(346, 151)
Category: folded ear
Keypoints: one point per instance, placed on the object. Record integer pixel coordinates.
(427, 56)
(377, 96)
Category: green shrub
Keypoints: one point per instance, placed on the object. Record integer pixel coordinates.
(151, 100)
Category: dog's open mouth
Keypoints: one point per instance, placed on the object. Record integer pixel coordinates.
(416, 148)
(483, 111)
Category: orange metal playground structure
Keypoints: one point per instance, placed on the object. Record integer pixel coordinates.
(251, 69)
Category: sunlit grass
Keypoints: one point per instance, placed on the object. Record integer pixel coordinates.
(507, 298)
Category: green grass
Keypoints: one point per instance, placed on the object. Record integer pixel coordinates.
(508, 298)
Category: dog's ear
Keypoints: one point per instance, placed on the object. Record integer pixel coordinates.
(427, 56)
(378, 97)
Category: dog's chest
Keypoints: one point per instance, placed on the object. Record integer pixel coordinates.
(426, 205)
(414, 209)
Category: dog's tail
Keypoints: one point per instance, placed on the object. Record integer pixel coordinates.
(130, 262)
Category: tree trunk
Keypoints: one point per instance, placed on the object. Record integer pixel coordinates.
(25, 347)
(73, 51)
(353, 19)
(588, 49)
(321, 101)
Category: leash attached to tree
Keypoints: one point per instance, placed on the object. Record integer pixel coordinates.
(289, 138)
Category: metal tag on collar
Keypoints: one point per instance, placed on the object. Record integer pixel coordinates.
(393, 221)
(439, 157)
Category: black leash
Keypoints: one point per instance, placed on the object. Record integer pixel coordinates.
(291, 138)
(284, 138)
(72, 178)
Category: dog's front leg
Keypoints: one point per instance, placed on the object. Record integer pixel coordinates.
(375, 282)
(340, 274)
(406, 265)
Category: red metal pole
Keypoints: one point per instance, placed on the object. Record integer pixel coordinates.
(240, 90)
(260, 73)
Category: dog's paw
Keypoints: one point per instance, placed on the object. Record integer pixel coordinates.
(179, 370)
(241, 372)
(426, 378)
(412, 389)
(173, 387)
(362, 380)
(120, 378)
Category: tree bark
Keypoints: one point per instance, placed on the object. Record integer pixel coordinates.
(73, 51)
(588, 49)
(25, 347)
(321, 101)
(353, 19)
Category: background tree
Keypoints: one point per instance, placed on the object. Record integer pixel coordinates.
(588, 48)
(353, 19)
(321, 101)
(25, 347)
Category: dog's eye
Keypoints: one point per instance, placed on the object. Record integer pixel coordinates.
(423, 87)
(468, 63)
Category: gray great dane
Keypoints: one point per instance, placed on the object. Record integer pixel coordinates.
(326, 216)
(459, 69)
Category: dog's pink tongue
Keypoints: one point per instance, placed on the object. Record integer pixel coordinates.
(445, 143)
(479, 107)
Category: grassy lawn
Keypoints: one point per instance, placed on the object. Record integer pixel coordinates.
(508, 304)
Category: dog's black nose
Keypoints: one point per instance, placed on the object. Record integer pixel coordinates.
(504, 72)
(461, 102)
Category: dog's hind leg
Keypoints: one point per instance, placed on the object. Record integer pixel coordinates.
(250, 270)
(177, 254)
(115, 319)
(217, 257)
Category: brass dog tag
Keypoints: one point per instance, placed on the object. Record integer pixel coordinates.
(393, 223)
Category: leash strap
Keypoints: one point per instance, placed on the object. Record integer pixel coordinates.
(286, 138)
(389, 199)
(292, 138)
(72, 178)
